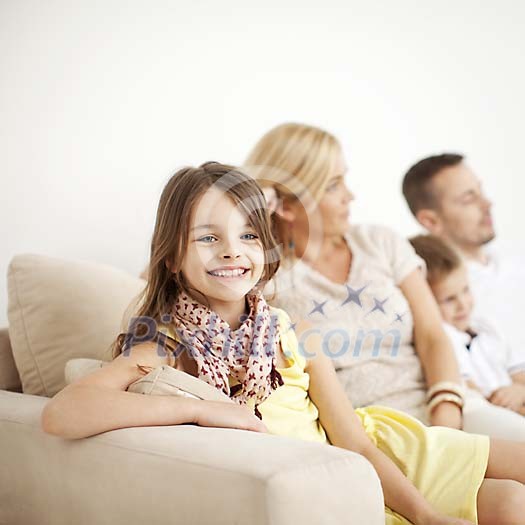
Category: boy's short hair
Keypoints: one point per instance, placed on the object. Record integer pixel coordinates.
(439, 257)
(417, 183)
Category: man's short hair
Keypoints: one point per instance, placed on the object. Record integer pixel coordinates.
(417, 183)
(439, 257)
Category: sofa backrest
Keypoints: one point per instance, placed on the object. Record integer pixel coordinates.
(9, 377)
(60, 310)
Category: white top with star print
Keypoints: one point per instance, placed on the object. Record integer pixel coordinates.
(366, 323)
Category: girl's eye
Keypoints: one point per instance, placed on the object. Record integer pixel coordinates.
(250, 236)
(207, 238)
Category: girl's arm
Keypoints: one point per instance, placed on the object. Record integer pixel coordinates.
(432, 345)
(99, 403)
(344, 430)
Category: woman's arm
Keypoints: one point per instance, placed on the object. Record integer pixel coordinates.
(432, 345)
(99, 403)
(344, 430)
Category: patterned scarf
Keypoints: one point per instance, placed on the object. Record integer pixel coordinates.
(246, 354)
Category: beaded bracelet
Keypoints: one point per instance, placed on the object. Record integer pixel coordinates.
(445, 386)
(445, 397)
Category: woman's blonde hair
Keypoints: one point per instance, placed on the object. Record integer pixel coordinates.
(297, 160)
(294, 158)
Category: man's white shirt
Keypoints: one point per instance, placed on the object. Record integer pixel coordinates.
(498, 288)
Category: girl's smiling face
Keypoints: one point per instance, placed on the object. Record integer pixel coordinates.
(225, 258)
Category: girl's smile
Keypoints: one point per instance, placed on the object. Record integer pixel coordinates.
(229, 272)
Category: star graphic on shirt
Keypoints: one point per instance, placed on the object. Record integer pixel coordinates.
(354, 295)
(399, 318)
(292, 326)
(379, 305)
(318, 307)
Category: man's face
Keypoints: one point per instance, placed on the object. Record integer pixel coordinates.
(463, 213)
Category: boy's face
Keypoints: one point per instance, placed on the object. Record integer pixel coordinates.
(454, 299)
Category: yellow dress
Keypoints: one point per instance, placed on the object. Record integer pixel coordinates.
(447, 466)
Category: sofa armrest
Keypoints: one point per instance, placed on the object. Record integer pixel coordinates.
(176, 474)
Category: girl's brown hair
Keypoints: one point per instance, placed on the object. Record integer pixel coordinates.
(170, 239)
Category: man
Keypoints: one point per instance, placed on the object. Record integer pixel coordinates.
(447, 199)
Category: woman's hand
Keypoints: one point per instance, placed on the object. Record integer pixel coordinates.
(447, 414)
(228, 415)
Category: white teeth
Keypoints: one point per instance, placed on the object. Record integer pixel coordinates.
(228, 273)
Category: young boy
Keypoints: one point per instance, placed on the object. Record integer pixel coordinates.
(486, 362)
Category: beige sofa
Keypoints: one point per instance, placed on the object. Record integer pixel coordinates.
(59, 310)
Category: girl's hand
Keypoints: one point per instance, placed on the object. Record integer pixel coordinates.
(228, 415)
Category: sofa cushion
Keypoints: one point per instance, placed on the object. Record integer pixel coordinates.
(80, 367)
(59, 310)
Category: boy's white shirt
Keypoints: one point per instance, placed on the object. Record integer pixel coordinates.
(498, 288)
(490, 361)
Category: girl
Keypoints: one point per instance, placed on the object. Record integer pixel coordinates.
(211, 254)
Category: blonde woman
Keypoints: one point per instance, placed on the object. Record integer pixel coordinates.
(360, 286)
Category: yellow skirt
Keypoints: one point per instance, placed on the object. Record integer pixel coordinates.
(447, 466)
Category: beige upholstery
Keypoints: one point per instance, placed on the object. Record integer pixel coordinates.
(80, 367)
(9, 378)
(58, 310)
(188, 475)
(176, 474)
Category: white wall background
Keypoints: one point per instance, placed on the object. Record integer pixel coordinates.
(101, 101)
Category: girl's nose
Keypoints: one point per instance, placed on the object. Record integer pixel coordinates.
(231, 256)
(231, 251)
